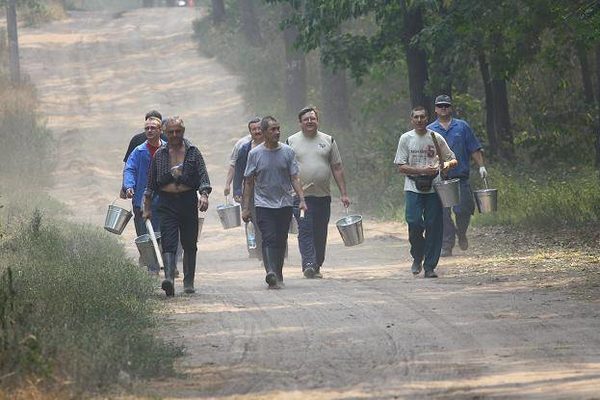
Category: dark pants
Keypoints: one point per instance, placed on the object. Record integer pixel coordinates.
(424, 216)
(274, 224)
(178, 214)
(312, 230)
(462, 214)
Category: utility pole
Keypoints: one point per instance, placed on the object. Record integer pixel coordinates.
(13, 41)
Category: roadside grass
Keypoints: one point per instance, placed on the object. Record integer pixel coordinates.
(75, 311)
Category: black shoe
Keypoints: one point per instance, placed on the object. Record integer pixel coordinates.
(463, 243)
(188, 289)
(309, 273)
(168, 287)
(416, 267)
(446, 253)
(271, 279)
(430, 274)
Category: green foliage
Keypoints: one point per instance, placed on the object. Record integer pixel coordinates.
(73, 305)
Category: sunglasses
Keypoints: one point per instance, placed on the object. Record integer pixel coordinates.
(151, 128)
(443, 105)
(177, 131)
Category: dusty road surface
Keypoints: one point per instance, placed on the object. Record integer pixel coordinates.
(369, 329)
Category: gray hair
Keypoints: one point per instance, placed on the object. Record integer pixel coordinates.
(175, 120)
(264, 123)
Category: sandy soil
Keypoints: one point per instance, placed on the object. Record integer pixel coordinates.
(369, 329)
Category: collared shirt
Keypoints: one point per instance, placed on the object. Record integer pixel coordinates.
(462, 142)
(136, 140)
(193, 173)
(135, 172)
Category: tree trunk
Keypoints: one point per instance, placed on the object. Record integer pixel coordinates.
(13, 41)
(218, 11)
(250, 25)
(502, 118)
(490, 126)
(416, 59)
(295, 68)
(598, 106)
(334, 91)
(586, 78)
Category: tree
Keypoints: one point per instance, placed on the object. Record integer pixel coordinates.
(218, 11)
(249, 22)
(295, 68)
(13, 41)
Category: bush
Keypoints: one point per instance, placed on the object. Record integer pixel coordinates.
(73, 305)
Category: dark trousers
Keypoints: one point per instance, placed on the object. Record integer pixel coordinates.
(312, 230)
(274, 224)
(462, 214)
(178, 213)
(424, 216)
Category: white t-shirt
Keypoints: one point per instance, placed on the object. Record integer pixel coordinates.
(419, 151)
(315, 154)
(236, 149)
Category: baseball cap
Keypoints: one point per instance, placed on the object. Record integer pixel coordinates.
(443, 99)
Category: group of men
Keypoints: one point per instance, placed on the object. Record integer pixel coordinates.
(166, 178)
(264, 171)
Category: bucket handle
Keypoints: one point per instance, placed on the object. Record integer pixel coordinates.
(117, 198)
(486, 183)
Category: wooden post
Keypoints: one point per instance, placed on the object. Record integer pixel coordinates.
(13, 41)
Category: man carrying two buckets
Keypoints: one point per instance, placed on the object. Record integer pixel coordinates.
(422, 155)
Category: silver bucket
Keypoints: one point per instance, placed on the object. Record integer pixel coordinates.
(486, 200)
(146, 249)
(351, 229)
(229, 214)
(116, 219)
(449, 192)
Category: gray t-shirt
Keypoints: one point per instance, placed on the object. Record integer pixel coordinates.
(419, 151)
(273, 170)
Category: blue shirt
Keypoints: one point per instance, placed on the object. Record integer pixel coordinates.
(462, 142)
(135, 173)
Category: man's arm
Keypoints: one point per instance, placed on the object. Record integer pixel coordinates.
(338, 174)
(298, 188)
(248, 186)
(229, 179)
(477, 156)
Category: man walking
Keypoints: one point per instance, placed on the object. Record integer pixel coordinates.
(420, 160)
(319, 158)
(464, 144)
(271, 172)
(135, 176)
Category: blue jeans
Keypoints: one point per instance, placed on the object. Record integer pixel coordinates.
(312, 230)
(462, 215)
(424, 219)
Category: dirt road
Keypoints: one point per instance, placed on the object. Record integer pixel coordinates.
(368, 330)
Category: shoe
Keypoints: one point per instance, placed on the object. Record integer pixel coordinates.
(318, 275)
(416, 267)
(188, 289)
(271, 279)
(309, 273)
(430, 274)
(168, 284)
(463, 243)
(446, 253)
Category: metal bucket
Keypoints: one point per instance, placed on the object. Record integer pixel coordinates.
(448, 191)
(229, 214)
(486, 200)
(351, 229)
(116, 219)
(146, 249)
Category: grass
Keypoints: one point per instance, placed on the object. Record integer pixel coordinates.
(73, 306)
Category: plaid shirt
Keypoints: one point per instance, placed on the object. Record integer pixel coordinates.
(194, 172)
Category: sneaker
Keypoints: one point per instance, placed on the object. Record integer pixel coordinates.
(463, 243)
(416, 267)
(446, 253)
(309, 273)
(271, 279)
(430, 274)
